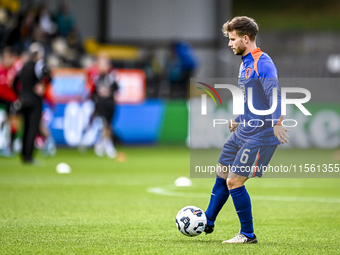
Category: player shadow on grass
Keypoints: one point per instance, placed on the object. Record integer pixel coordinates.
(197, 240)
(300, 246)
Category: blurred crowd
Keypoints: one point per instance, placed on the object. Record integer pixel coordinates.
(34, 40)
(57, 32)
(24, 87)
(170, 77)
(167, 76)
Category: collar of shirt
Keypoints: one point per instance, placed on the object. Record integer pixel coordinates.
(249, 56)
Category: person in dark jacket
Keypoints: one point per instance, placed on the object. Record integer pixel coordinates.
(33, 77)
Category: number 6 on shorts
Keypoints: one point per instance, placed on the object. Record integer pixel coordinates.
(244, 157)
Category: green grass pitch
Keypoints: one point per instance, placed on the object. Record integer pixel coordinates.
(106, 207)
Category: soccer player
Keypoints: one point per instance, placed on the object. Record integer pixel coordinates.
(253, 145)
(9, 68)
(8, 71)
(102, 79)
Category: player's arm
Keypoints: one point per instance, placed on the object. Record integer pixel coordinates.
(43, 74)
(269, 81)
(114, 82)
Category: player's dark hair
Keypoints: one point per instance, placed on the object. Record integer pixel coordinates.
(243, 25)
(9, 50)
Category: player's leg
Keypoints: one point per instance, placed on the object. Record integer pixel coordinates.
(108, 144)
(24, 148)
(32, 117)
(242, 206)
(238, 175)
(248, 164)
(14, 122)
(49, 147)
(98, 147)
(107, 134)
(5, 130)
(220, 191)
(99, 111)
(218, 198)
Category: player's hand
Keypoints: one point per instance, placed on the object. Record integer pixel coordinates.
(16, 105)
(280, 133)
(39, 89)
(232, 125)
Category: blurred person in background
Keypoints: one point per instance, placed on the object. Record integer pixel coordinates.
(153, 72)
(20, 36)
(46, 24)
(33, 77)
(180, 67)
(4, 28)
(102, 80)
(44, 140)
(64, 19)
(7, 96)
(8, 72)
(8, 17)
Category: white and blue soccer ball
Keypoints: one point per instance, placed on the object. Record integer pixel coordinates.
(191, 220)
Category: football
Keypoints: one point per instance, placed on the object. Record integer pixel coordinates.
(191, 220)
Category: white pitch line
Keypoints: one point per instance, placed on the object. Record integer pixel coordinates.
(298, 199)
(171, 192)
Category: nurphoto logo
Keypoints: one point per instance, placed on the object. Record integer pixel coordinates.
(239, 99)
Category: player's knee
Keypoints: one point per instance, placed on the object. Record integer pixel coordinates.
(230, 183)
(223, 171)
(234, 183)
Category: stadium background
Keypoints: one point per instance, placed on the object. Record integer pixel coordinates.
(305, 45)
(107, 206)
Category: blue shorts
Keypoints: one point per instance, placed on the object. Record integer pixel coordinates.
(245, 159)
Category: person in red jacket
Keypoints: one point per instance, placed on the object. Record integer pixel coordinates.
(9, 67)
(8, 72)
